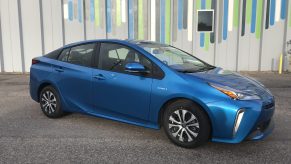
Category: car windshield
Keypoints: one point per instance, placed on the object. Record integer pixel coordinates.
(175, 58)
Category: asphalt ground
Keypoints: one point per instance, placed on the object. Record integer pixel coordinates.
(27, 136)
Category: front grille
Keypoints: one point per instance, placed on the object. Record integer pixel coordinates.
(269, 105)
(263, 125)
(259, 129)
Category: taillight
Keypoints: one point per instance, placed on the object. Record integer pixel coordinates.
(34, 61)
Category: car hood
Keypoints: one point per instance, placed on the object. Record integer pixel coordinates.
(235, 81)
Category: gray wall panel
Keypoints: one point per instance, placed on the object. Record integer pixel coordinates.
(272, 45)
(1, 46)
(74, 30)
(10, 36)
(52, 24)
(26, 31)
(31, 31)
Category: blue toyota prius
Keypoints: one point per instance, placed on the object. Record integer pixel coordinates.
(152, 85)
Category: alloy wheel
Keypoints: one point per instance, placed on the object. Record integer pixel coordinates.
(49, 102)
(183, 125)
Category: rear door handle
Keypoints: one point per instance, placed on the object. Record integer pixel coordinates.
(99, 77)
(60, 69)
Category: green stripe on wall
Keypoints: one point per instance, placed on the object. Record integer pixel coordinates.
(207, 34)
(168, 22)
(97, 13)
(118, 13)
(198, 4)
(140, 20)
(259, 18)
(235, 14)
(248, 11)
(208, 4)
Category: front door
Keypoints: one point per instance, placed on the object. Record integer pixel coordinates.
(118, 93)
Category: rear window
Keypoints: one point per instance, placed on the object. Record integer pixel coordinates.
(53, 54)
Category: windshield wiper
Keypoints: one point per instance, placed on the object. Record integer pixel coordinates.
(207, 68)
(187, 71)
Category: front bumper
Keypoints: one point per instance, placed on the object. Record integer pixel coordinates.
(265, 123)
(262, 130)
(256, 123)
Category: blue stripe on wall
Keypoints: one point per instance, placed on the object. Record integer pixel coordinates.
(70, 10)
(80, 14)
(203, 4)
(180, 14)
(283, 9)
(272, 12)
(225, 19)
(254, 15)
(108, 16)
(163, 4)
(92, 12)
(202, 35)
(130, 20)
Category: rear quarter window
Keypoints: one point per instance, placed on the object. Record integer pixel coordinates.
(53, 54)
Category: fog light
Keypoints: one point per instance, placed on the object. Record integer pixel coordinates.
(239, 116)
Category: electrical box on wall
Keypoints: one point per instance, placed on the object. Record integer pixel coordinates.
(205, 20)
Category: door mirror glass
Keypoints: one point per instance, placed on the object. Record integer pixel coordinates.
(135, 68)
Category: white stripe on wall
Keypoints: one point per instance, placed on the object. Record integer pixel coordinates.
(66, 12)
(278, 10)
(230, 15)
(153, 20)
(190, 20)
(123, 11)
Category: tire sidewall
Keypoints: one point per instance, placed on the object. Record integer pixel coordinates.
(204, 126)
(58, 111)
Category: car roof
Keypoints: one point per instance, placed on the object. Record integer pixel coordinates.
(126, 41)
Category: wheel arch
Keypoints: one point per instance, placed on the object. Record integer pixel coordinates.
(172, 100)
(43, 85)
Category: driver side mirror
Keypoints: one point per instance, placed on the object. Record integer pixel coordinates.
(136, 68)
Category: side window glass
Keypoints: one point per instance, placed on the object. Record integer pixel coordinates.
(53, 54)
(81, 55)
(114, 57)
(64, 55)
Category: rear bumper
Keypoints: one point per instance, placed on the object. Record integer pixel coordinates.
(33, 88)
(33, 92)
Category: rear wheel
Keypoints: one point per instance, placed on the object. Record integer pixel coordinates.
(186, 124)
(50, 102)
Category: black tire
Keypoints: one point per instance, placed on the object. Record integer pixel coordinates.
(50, 105)
(201, 130)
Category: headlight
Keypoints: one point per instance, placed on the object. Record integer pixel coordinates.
(234, 94)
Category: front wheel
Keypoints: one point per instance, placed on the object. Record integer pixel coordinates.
(186, 124)
(50, 102)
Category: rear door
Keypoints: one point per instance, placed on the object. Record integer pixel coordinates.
(118, 93)
(73, 75)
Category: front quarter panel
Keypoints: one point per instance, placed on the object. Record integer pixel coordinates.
(174, 86)
(224, 113)
(220, 108)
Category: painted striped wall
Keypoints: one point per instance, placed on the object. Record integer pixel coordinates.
(248, 34)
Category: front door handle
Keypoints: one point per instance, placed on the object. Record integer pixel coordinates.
(99, 77)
